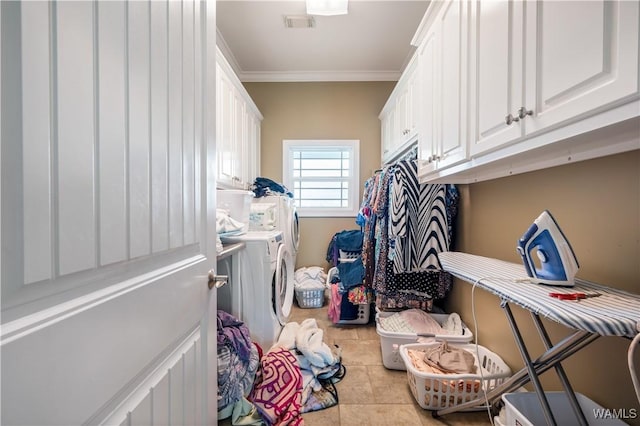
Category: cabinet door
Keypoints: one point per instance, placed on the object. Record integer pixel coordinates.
(412, 101)
(581, 55)
(225, 129)
(452, 28)
(496, 79)
(428, 100)
(253, 149)
(388, 133)
(240, 140)
(401, 126)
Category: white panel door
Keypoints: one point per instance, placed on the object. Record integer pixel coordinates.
(108, 205)
(581, 56)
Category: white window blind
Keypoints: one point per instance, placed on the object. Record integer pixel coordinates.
(323, 176)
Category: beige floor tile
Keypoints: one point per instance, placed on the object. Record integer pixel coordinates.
(355, 387)
(360, 352)
(329, 416)
(367, 332)
(378, 415)
(389, 386)
(453, 419)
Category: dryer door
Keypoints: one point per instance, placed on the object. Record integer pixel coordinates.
(282, 295)
(295, 230)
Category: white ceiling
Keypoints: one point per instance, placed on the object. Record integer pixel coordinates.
(370, 43)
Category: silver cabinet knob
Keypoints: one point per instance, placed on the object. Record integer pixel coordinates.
(523, 112)
(216, 281)
(510, 119)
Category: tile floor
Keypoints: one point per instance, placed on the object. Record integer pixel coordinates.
(370, 394)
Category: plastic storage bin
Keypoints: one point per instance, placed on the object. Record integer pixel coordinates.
(438, 391)
(523, 408)
(391, 341)
(310, 298)
(364, 311)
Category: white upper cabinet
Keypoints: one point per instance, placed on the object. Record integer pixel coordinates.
(496, 73)
(442, 56)
(507, 86)
(581, 56)
(400, 115)
(238, 130)
(539, 65)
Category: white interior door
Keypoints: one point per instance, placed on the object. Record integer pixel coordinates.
(108, 201)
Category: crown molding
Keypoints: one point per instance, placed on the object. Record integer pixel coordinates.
(316, 76)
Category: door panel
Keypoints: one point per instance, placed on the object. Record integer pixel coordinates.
(107, 205)
(112, 165)
(498, 72)
(586, 57)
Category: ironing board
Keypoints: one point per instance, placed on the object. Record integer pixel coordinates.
(612, 313)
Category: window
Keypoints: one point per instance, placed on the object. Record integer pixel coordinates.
(323, 176)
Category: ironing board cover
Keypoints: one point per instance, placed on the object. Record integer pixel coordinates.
(613, 313)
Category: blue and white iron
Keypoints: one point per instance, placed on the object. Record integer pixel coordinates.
(558, 263)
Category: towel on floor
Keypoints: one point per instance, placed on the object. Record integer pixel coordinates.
(307, 338)
(277, 393)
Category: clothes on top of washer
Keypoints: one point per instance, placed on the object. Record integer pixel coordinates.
(225, 223)
(263, 186)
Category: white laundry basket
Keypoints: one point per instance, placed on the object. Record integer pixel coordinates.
(439, 391)
(391, 341)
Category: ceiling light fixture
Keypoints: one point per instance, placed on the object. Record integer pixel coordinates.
(327, 7)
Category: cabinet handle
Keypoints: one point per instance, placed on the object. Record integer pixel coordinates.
(510, 119)
(523, 112)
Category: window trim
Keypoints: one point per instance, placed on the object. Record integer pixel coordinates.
(289, 145)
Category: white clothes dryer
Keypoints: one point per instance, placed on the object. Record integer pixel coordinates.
(265, 293)
(285, 220)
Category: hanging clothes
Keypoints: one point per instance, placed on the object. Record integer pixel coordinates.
(419, 222)
(406, 225)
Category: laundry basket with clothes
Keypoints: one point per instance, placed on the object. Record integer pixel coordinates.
(309, 286)
(350, 296)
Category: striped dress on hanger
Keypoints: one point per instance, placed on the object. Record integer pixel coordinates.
(418, 220)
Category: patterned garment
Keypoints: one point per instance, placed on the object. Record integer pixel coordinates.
(277, 393)
(419, 220)
(235, 376)
(381, 232)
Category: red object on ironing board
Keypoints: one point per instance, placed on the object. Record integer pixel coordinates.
(573, 296)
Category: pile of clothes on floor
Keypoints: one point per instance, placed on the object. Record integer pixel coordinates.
(296, 375)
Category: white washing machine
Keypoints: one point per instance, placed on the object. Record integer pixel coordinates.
(285, 220)
(264, 296)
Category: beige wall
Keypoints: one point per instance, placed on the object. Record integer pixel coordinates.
(596, 203)
(319, 111)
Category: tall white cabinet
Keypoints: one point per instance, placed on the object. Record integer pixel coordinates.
(238, 130)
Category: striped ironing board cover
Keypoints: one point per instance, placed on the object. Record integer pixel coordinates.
(613, 313)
